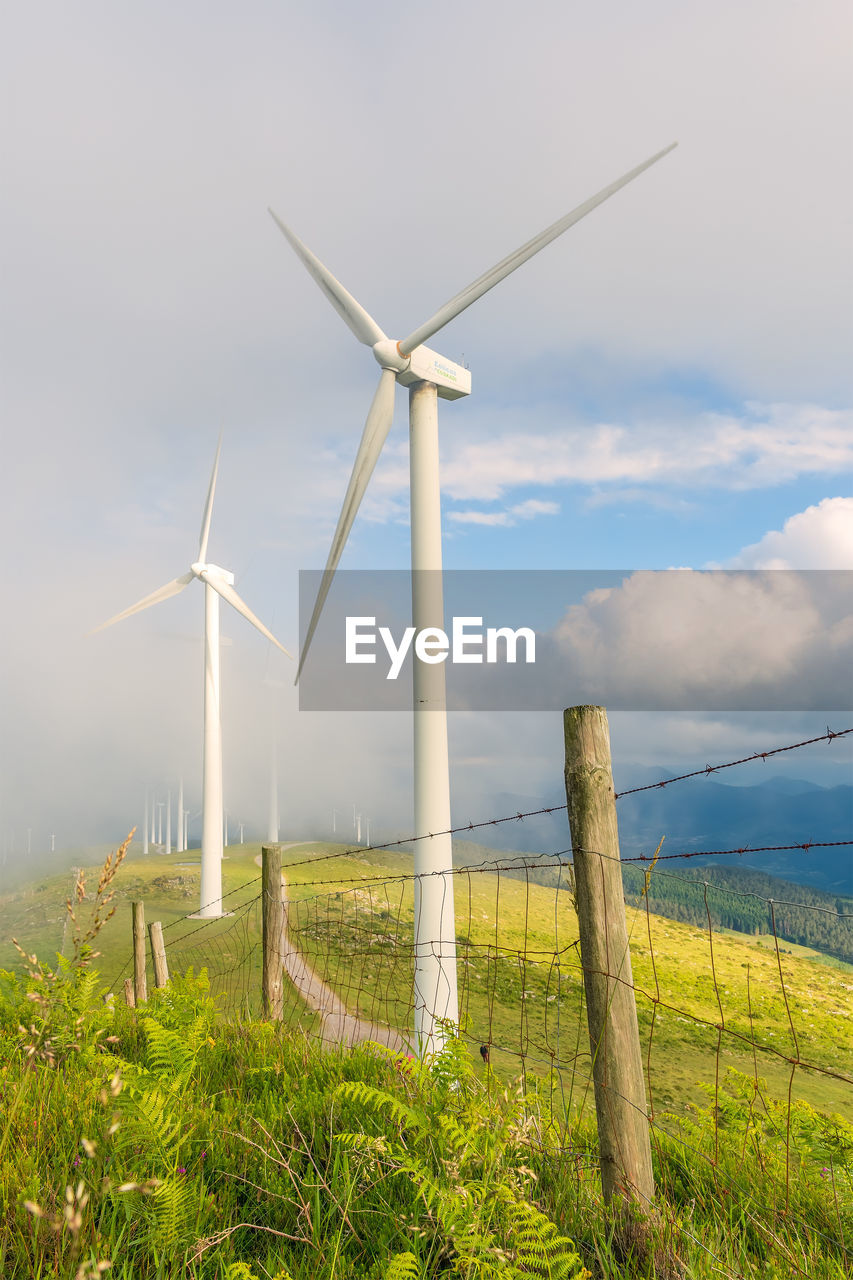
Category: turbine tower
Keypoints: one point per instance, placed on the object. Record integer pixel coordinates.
(181, 842)
(428, 376)
(217, 582)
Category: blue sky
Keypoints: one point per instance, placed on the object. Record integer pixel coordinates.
(668, 384)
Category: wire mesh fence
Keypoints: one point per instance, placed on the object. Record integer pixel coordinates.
(746, 1038)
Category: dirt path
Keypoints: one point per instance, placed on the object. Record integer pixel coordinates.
(339, 1026)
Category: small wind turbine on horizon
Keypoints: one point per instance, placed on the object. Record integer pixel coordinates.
(217, 582)
(428, 376)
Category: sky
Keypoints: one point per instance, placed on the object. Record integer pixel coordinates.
(666, 385)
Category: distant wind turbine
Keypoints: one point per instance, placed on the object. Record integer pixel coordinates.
(181, 845)
(428, 375)
(217, 582)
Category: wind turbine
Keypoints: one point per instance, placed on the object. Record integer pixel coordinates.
(428, 376)
(217, 582)
(181, 845)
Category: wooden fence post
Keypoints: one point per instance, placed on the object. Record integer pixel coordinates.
(617, 1066)
(140, 986)
(129, 994)
(158, 954)
(272, 897)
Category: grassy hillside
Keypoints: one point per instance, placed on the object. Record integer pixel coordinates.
(734, 897)
(521, 990)
(167, 1141)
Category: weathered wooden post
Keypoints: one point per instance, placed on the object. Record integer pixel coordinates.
(158, 954)
(129, 994)
(272, 898)
(140, 986)
(617, 1067)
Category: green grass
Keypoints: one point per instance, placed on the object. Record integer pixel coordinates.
(242, 1151)
(170, 1141)
(521, 989)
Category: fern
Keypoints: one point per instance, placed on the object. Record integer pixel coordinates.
(172, 1053)
(403, 1266)
(461, 1154)
(455, 1139)
(538, 1247)
(379, 1102)
(172, 1215)
(153, 1116)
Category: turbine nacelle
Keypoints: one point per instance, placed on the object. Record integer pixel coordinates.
(423, 365)
(203, 571)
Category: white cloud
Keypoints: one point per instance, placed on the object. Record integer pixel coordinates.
(534, 507)
(527, 510)
(821, 537)
(766, 445)
(719, 640)
(489, 518)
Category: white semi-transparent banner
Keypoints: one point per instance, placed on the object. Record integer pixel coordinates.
(514, 640)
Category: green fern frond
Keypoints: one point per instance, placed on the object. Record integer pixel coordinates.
(455, 1139)
(172, 1209)
(172, 1053)
(403, 1266)
(363, 1143)
(380, 1103)
(152, 1111)
(537, 1246)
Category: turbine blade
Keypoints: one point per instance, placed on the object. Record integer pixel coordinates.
(208, 506)
(376, 428)
(351, 312)
(228, 593)
(162, 593)
(514, 260)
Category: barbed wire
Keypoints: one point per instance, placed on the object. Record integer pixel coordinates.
(532, 862)
(721, 853)
(829, 736)
(196, 913)
(520, 816)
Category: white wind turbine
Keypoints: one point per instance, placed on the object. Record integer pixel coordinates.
(217, 582)
(428, 376)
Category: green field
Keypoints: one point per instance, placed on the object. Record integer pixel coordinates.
(188, 1138)
(521, 989)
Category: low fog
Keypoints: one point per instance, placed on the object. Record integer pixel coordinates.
(682, 354)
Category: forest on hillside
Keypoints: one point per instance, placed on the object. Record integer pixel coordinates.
(727, 897)
(740, 898)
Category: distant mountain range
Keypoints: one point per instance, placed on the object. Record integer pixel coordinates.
(701, 814)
